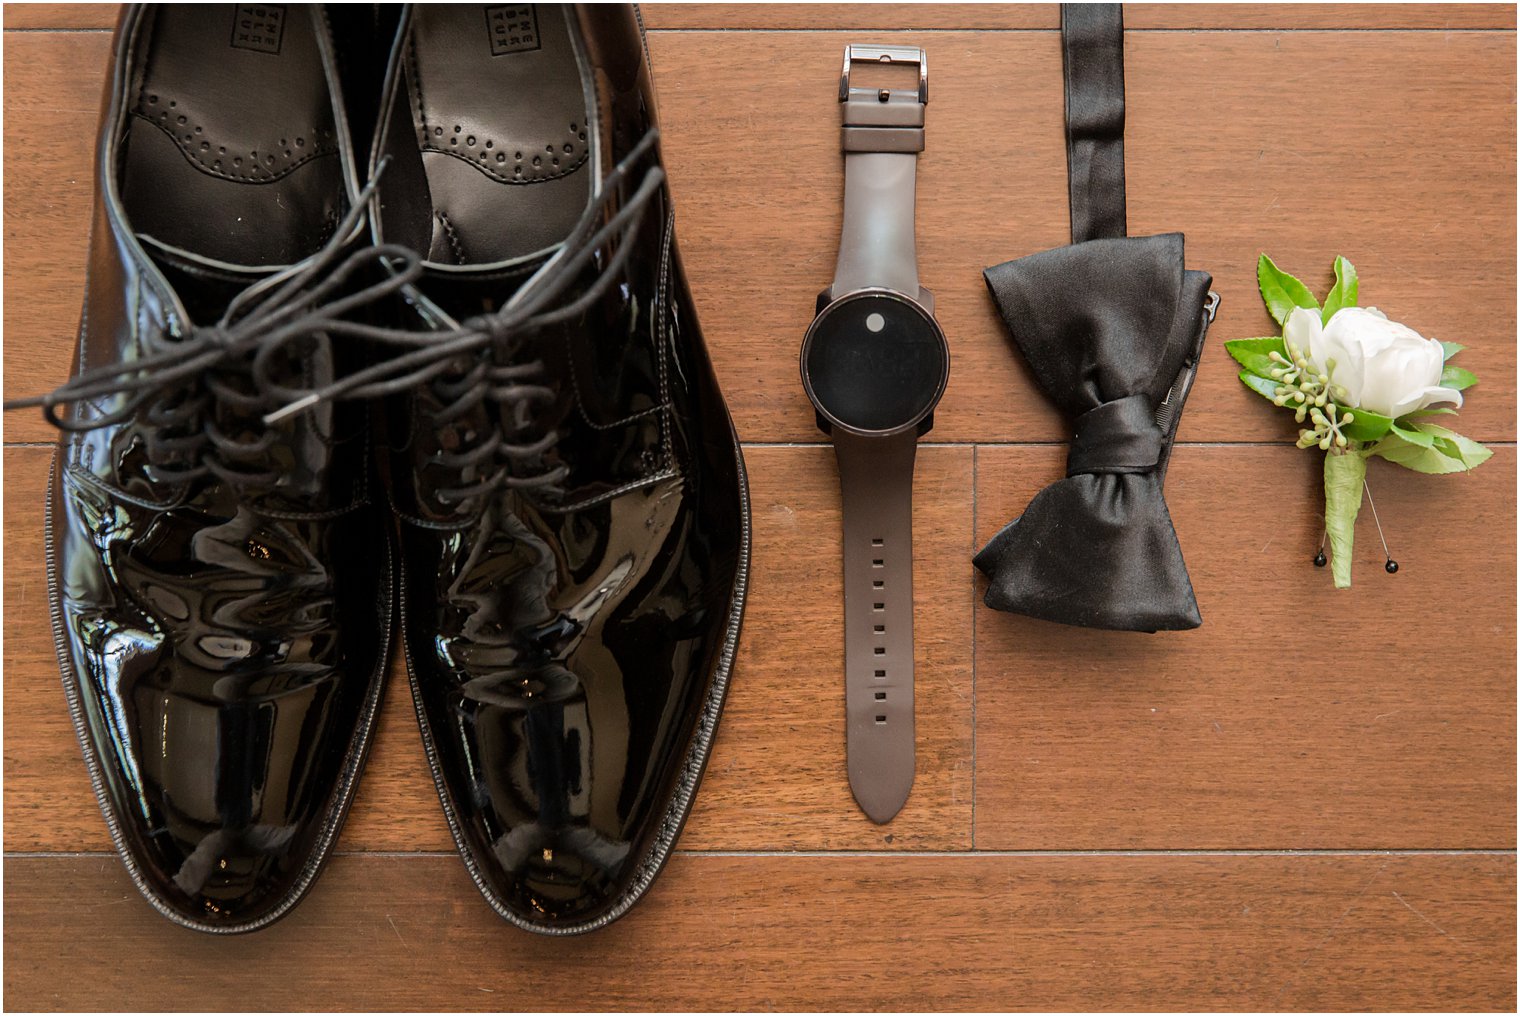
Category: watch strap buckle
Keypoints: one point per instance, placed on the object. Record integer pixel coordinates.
(885, 55)
(883, 119)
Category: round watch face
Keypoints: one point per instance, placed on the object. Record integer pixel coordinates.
(875, 362)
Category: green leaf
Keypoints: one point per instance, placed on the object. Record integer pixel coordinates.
(1446, 448)
(1456, 377)
(1280, 291)
(1471, 453)
(1366, 425)
(1254, 354)
(1432, 411)
(1422, 460)
(1265, 387)
(1413, 435)
(1447, 452)
(1344, 292)
(1452, 349)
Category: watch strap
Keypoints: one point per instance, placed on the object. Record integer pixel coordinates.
(881, 135)
(876, 486)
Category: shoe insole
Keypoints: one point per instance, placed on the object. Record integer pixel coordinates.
(500, 117)
(231, 150)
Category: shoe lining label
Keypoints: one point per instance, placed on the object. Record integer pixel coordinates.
(512, 28)
(258, 27)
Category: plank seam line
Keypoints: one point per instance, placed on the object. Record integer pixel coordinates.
(1490, 30)
(1048, 444)
(975, 487)
(939, 444)
(832, 30)
(810, 854)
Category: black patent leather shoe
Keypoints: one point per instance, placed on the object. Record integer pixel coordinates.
(221, 592)
(573, 511)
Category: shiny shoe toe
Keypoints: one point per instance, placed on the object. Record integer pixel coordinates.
(570, 492)
(221, 582)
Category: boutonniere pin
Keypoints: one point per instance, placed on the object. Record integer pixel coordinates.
(1359, 385)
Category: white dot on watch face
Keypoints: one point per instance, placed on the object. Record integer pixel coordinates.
(875, 322)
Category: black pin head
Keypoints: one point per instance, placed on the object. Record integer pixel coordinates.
(1320, 560)
(1391, 567)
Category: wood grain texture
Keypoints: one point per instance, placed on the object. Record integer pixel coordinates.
(1370, 742)
(52, 95)
(1299, 715)
(1414, 118)
(898, 17)
(1207, 154)
(912, 933)
(1392, 727)
(1137, 17)
(25, 16)
(777, 776)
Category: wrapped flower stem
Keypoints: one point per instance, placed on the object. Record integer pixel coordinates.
(1345, 471)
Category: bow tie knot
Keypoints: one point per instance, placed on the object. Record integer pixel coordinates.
(1117, 437)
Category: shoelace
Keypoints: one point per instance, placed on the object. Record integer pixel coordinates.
(425, 357)
(175, 386)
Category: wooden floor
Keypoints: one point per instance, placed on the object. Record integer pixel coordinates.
(1308, 803)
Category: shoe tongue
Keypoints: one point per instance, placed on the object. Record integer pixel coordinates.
(466, 293)
(205, 286)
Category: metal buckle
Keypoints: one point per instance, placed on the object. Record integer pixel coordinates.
(886, 55)
(1210, 308)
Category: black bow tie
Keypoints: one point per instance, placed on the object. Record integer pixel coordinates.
(1112, 329)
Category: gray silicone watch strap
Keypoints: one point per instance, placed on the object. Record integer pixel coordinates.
(876, 484)
(882, 133)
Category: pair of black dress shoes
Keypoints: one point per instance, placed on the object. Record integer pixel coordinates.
(474, 386)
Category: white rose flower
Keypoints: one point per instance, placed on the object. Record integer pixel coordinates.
(1385, 367)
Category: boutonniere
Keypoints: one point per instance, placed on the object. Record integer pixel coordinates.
(1359, 385)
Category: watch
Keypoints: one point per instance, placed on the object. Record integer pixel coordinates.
(874, 365)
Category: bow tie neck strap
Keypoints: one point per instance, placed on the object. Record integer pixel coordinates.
(1092, 62)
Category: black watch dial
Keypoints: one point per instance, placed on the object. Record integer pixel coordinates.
(875, 362)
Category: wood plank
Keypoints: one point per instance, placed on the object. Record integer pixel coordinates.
(992, 187)
(777, 777)
(1416, 113)
(58, 16)
(1137, 17)
(52, 104)
(910, 933)
(1408, 761)
(899, 17)
(1298, 716)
